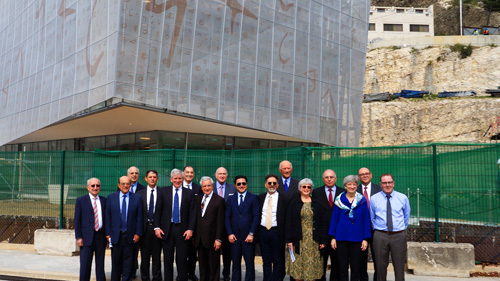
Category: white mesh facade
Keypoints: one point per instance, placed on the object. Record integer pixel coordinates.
(293, 67)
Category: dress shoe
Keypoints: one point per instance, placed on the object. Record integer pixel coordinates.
(193, 277)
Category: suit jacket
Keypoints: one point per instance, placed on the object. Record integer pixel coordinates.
(139, 187)
(211, 226)
(196, 188)
(280, 214)
(326, 211)
(164, 203)
(229, 190)
(84, 218)
(375, 189)
(144, 197)
(113, 218)
(242, 220)
(293, 188)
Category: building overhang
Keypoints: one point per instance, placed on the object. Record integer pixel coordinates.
(129, 118)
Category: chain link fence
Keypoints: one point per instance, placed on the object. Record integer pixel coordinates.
(454, 189)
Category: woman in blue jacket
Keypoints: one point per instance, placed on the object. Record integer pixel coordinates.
(349, 229)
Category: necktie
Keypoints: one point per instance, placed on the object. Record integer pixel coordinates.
(269, 213)
(241, 200)
(203, 204)
(221, 194)
(96, 215)
(175, 215)
(389, 213)
(132, 188)
(330, 197)
(365, 194)
(286, 186)
(151, 205)
(123, 217)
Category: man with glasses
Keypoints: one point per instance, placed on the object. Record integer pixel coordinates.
(389, 215)
(89, 233)
(325, 196)
(242, 219)
(272, 230)
(367, 189)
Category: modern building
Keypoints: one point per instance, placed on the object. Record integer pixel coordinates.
(217, 74)
(400, 22)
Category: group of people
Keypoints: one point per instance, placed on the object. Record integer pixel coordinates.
(298, 227)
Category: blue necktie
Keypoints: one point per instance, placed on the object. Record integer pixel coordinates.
(123, 216)
(286, 186)
(175, 215)
(151, 205)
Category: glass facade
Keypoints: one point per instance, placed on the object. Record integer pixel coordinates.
(291, 67)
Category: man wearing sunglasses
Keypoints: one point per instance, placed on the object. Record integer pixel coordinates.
(242, 219)
(325, 195)
(89, 233)
(271, 234)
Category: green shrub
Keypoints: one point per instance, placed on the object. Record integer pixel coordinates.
(464, 51)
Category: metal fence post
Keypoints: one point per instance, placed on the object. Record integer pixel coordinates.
(436, 189)
(61, 198)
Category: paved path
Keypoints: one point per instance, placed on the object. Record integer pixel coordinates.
(29, 264)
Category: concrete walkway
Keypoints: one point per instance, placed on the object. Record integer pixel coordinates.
(23, 261)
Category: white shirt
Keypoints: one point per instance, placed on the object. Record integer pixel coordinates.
(179, 193)
(148, 196)
(207, 200)
(187, 185)
(368, 190)
(99, 212)
(274, 221)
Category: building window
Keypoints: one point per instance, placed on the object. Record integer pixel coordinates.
(419, 11)
(419, 28)
(400, 11)
(371, 27)
(393, 27)
(380, 10)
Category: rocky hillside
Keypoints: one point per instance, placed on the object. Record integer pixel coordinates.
(433, 69)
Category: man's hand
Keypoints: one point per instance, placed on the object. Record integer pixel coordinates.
(79, 242)
(188, 234)
(217, 244)
(249, 238)
(159, 233)
(232, 238)
(321, 246)
(136, 238)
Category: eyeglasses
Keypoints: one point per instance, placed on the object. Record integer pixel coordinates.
(95, 185)
(386, 182)
(272, 183)
(328, 177)
(306, 186)
(241, 183)
(365, 174)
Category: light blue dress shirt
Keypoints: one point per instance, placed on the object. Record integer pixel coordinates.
(400, 206)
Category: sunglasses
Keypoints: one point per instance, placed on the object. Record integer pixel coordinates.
(307, 186)
(272, 183)
(241, 183)
(95, 185)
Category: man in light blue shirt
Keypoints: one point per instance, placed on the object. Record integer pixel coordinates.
(389, 215)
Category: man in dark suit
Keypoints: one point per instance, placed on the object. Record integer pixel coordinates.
(224, 190)
(174, 223)
(196, 188)
(271, 234)
(90, 237)
(287, 184)
(123, 227)
(368, 189)
(209, 230)
(150, 245)
(325, 196)
(242, 219)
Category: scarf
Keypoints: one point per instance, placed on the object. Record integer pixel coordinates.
(357, 199)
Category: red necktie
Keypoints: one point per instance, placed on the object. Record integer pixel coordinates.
(365, 194)
(330, 197)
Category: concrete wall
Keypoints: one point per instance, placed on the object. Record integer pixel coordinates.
(426, 41)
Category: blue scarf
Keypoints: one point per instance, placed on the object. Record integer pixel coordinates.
(357, 199)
